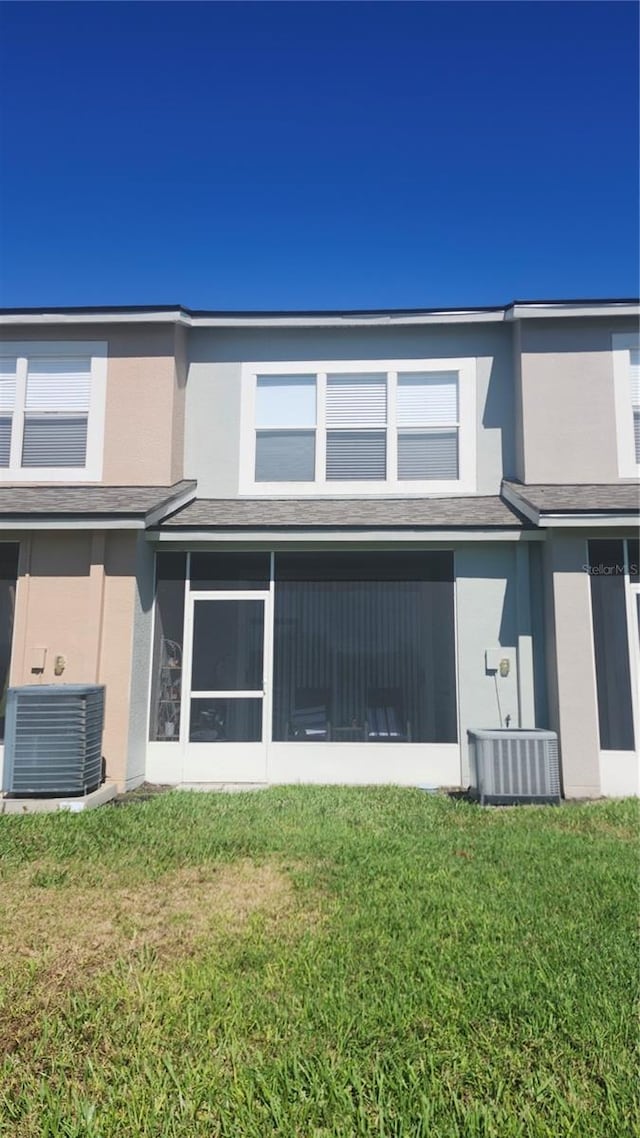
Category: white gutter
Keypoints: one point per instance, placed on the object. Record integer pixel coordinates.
(106, 317)
(291, 320)
(546, 311)
(593, 520)
(345, 320)
(72, 522)
(187, 537)
(571, 519)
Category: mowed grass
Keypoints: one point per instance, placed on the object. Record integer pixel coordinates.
(314, 962)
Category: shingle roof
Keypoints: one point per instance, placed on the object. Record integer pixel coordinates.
(615, 497)
(346, 513)
(97, 501)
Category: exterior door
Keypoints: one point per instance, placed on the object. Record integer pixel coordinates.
(225, 705)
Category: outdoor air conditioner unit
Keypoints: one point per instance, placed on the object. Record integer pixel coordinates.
(53, 740)
(509, 766)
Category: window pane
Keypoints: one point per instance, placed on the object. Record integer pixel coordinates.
(428, 455)
(5, 440)
(286, 401)
(166, 675)
(611, 646)
(227, 646)
(285, 456)
(428, 399)
(225, 721)
(364, 660)
(357, 566)
(8, 578)
(356, 455)
(54, 441)
(357, 400)
(7, 383)
(230, 570)
(634, 373)
(636, 433)
(59, 384)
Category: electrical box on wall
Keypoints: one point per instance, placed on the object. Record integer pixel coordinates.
(502, 672)
(37, 659)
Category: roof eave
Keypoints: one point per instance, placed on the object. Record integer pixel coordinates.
(168, 314)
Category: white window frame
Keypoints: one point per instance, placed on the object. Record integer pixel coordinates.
(23, 351)
(622, 343)
(464, 484)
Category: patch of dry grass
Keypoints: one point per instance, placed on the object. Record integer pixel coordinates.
(57, 935)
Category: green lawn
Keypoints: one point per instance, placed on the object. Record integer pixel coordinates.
(308, 962)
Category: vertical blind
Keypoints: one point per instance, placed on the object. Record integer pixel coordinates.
(364, 648)
(611, 645)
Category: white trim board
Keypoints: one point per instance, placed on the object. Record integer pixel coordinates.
(511, 312)
(407, 537)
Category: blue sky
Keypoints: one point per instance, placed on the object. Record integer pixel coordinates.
(318, 155)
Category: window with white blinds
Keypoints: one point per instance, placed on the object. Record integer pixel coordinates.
(428, 426)
(52, 411)
(350, 426)
(56, 412)
(285, 428)
(356, 420)
(8, 372)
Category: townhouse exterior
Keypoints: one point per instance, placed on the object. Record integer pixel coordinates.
(320, 547)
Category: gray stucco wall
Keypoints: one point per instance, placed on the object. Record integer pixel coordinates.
(572, 680)
(140, 661)
(567, 396)
(488, 616)
(213, 392)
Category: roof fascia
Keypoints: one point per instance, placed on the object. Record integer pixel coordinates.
(169, 506)
(523, 505)
(187, 319)
(284, 320)
(594, 520)
(562, 311)
(70, 522)
(105, 317)
(338, 537)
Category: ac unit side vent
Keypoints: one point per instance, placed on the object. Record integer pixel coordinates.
(511, 766)
(53, 740)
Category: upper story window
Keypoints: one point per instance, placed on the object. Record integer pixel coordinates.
(357, 427)
(52, 399)
(626, 375)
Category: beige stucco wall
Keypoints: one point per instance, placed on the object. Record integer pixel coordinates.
(144, 412)
(75, 598)
(572, 679)
(566, 391)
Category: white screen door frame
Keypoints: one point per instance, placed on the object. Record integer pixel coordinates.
(221, 760)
